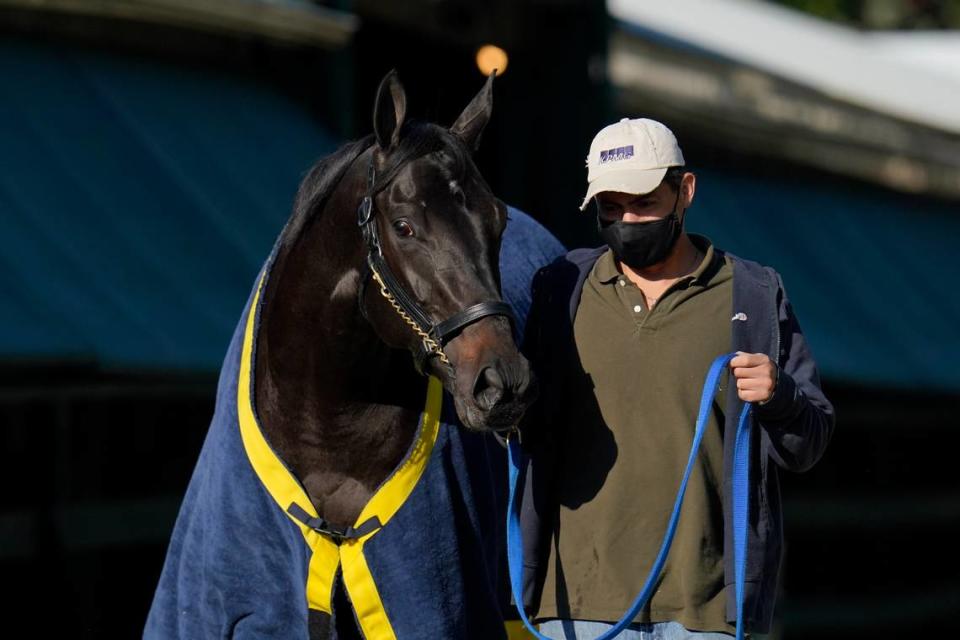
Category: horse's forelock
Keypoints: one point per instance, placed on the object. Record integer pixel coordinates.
(419, 139)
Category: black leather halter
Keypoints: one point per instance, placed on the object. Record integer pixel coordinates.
(433, 336)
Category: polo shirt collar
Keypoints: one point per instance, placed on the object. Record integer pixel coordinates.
(701, 275)
(607, 273)
(606, 269)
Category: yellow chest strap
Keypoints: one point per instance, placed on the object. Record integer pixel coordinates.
(285, 490)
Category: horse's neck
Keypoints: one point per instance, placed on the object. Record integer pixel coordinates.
(338, 405)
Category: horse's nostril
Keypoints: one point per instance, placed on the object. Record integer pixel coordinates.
(488, 389)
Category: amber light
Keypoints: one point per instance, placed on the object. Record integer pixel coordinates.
(491, 58)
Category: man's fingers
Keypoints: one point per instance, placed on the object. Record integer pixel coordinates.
(753, 396)
(754, 383)
(755, 389)
(747, 360)
(752, 372)
(755, 376)
(749, 364)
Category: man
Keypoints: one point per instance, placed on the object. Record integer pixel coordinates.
(621, 338)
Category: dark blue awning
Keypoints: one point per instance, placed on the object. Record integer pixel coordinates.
(872, 274)
(137, 200)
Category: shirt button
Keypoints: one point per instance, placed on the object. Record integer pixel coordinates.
(621, 282)
(637, 308)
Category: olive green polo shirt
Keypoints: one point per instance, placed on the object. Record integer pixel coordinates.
(631, 395)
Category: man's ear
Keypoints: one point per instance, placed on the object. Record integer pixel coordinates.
(688, 187)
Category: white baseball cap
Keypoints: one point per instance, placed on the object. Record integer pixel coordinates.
(630, 156)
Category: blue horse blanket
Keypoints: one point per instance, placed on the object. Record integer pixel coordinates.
(240, 566)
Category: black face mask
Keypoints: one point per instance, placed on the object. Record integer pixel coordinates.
(641, 244)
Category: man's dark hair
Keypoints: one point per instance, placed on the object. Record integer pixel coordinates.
(674, 177)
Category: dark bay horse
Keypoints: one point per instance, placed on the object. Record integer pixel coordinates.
(387, 269)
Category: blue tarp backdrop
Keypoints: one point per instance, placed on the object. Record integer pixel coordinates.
(138, 201)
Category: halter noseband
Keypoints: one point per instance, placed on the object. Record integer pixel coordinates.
(433, 336)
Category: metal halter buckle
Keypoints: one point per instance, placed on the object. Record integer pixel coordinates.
(336, 536)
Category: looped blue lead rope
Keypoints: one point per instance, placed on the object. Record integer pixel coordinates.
(741, 479)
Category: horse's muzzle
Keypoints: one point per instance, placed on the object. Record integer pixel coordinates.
(498, 386)
(500, 394)
(492, 384)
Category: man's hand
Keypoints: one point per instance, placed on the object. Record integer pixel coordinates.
(756, 376)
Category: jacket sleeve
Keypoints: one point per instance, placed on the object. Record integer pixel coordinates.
(798, 418)
(535, 507)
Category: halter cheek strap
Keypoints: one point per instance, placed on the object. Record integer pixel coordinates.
(433, 336)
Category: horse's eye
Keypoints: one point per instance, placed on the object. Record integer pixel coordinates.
(403, 228)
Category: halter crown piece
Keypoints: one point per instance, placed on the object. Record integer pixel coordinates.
(433, 336)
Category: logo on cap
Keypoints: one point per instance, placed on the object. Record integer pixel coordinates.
(619, 153)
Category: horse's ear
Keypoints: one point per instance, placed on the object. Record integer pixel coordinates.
(389, 110)
(469, 126)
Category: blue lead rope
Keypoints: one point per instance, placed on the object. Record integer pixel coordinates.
(741, 509)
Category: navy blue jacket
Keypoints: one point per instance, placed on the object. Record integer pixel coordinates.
(796, 423)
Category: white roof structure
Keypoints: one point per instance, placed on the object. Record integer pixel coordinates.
(913, 78)
(937, 52)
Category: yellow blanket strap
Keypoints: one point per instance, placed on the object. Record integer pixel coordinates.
(516, 630)
(286, 490)
(384, 504)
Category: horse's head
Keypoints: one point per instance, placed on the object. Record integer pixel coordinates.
(438, 228)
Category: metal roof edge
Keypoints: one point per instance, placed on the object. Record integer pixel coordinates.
(280, 21)
(742, 107)
(837, 61)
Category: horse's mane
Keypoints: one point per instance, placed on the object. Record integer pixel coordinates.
(319, 183)
(416, 139)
